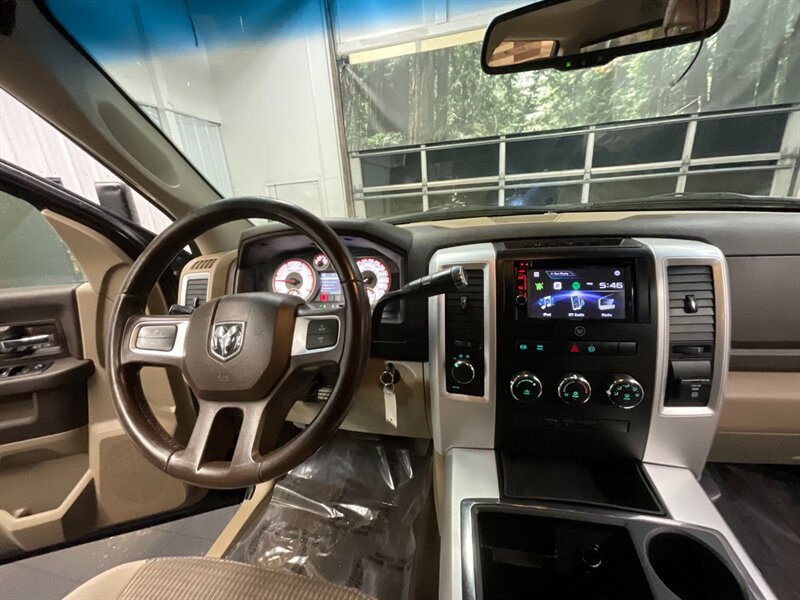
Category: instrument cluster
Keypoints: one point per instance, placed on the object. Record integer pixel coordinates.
(312, 278)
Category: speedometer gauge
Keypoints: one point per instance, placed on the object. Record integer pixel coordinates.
(377, 278)
(296, 278)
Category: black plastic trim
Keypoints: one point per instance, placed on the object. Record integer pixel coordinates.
(64, 372)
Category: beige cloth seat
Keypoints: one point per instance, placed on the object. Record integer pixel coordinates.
(200, 578)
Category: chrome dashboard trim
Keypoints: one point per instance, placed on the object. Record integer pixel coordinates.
(468, 474)
(682, 436)
(458, 420)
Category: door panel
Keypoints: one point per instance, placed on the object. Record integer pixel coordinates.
(44, 462)
(67, 468)
(42, 390)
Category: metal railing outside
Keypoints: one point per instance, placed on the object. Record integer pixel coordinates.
(783, 162)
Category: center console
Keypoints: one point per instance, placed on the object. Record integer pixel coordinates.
(576, 386)
(576, 351)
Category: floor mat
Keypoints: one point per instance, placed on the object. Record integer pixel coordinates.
(761, 503)
(347, 515)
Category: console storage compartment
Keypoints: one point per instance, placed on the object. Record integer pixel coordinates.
(540, 557)
(613, 484)
(543, 552)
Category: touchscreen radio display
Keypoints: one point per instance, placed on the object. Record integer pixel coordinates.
(575, 293)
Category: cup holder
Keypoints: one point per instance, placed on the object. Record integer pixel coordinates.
(690, 569)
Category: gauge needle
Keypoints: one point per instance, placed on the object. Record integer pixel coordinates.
(294, 281)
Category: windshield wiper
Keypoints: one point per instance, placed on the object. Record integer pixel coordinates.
(673, 200)
(698, 200)
(447, 211)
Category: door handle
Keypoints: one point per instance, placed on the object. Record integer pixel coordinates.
(23, 344)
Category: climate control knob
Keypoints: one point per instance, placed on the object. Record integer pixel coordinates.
(624, 391)
(574, 389)
(526, 387)
(463, 372)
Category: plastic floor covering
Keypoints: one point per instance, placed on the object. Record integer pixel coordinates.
(347, 515)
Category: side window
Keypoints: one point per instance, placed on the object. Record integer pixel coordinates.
(30, 142)
(31, 253)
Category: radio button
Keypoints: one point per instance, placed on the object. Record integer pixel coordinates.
(574, 348)
(534, 346)
(609, 348)
(627, 349)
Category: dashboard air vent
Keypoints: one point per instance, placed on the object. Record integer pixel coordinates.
(691, 305)
(566, 243)
(204, 265)
(196, 288)
(464, 308)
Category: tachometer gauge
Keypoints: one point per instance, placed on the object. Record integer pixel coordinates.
(321, 262)
(377, 278)
(296, 278)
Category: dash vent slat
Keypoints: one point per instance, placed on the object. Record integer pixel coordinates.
(696, 281)
(204, 265)
(196, 287)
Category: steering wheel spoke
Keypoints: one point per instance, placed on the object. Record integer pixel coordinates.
(230, 439)
(155, 340)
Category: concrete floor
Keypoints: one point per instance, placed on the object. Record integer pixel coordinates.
(52, 576)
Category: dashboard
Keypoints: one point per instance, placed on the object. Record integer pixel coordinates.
(603, 337)
(767, 250)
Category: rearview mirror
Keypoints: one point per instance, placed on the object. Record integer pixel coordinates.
(576, 34)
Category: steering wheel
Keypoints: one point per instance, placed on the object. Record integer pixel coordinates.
(247, 357)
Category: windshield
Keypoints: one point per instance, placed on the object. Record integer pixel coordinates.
(378, 109)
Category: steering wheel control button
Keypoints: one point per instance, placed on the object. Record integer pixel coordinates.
(463, 372)
(624, 391)
(317, 341)
(526, 387)
(158, 331)
(574, 389)
(153, 343)
(156, 337)
(323, 327)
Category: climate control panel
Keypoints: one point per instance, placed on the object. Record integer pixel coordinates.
(576, 348)
(573, 389)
